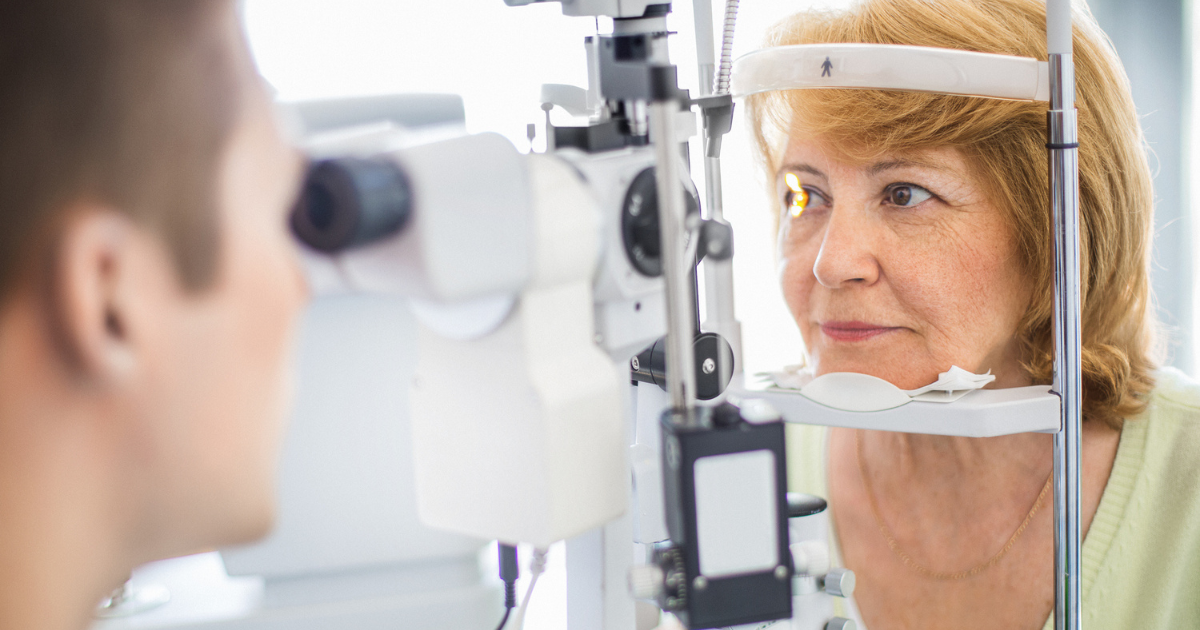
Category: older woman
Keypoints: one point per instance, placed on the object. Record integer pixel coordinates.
(914, 234)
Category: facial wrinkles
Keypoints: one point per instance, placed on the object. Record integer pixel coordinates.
(943, 267)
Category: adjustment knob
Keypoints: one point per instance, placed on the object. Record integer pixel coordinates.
(839, 582)
(801, 505)
(841, 623)
(645, 581)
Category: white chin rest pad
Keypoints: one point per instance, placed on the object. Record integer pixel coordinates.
(851, 391)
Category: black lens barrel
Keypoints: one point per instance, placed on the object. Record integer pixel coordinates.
(349, 202)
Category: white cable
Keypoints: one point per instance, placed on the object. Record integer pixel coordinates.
(537, 565)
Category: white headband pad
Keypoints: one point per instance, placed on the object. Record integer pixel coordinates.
(891, 67)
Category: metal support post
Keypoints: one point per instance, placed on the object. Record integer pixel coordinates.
(720, 316)
(681, 375)
(705, 49)
(1064, 204)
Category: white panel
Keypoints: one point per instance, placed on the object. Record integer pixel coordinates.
(649, 517)
(735, 513)
(598, 563)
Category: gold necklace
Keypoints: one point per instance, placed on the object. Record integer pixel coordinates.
(907, 559)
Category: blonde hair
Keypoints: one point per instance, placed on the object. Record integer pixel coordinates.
(1004, 142)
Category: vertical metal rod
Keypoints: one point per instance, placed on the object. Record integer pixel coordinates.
(1062, 127)
(681, 375)
(595, 100)
(720, 315)
(706, 64)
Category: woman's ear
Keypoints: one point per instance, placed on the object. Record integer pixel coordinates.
(94, 292)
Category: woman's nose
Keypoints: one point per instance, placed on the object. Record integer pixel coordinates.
(846, 256)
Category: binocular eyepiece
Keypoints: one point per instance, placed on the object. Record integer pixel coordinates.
(350, 202)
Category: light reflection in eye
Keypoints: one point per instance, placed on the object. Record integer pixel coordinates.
(797, 198)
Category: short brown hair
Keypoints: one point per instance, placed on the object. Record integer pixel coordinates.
(122, 102)
(1004, 141)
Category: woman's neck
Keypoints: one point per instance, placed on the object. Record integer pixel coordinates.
(925, 459)
(968, 488)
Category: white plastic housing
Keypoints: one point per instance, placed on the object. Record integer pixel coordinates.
(519, 435)
(607, 8)
(470, 233)
(891, 67)
(645, 457)
(630, 307)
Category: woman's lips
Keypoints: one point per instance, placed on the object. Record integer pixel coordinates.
(853, 331)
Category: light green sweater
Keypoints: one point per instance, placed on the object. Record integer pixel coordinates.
(1141, 556)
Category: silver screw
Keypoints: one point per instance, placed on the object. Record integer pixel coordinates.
(700, 583)
(635, 364)
(709, 366)
(781, 572)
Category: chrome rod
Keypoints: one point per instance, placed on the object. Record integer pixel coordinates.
(706, 65)
(681, 374)
(719, 313)
(1062, 126)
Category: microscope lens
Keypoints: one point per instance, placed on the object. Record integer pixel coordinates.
(319, 205)
(349, 202)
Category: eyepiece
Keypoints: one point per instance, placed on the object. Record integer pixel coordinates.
(349, 202)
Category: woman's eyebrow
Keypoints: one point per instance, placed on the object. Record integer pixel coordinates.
(887, 165)
(801, 168)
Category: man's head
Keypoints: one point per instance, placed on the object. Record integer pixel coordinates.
(148, 287)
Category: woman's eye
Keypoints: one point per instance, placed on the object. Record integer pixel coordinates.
(906, 195)
(796, 202)
(799, 198)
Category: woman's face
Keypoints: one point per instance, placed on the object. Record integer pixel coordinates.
(900, 267)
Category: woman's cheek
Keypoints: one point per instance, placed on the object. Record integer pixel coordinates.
(796, 281)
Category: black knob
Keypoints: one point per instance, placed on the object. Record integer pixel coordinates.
(714, 364)
(800, 505)
(639, 222)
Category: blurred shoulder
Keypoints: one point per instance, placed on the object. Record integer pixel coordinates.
(1141, 555)
(1176, 395)
(1171, 429)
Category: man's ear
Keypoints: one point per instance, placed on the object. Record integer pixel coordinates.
(93, 291)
